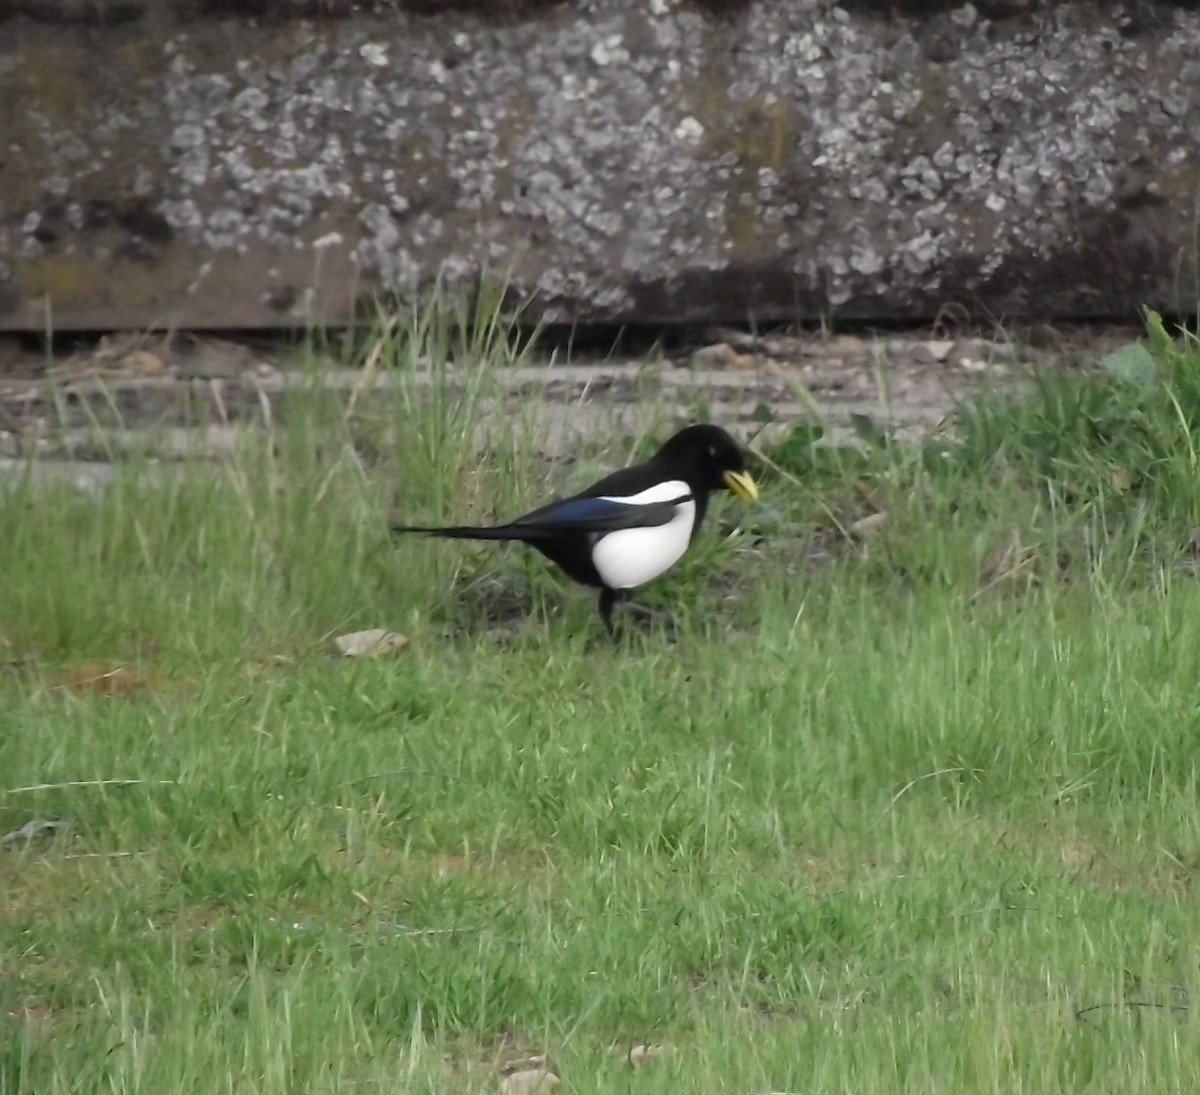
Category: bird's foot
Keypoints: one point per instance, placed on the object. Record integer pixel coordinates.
(616, 599)
(639, 617)
(656, 615)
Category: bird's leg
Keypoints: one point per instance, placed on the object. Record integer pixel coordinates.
(608, 598)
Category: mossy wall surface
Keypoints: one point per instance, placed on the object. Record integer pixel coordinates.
(238, 163)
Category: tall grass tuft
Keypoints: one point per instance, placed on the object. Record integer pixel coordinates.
(291, 534)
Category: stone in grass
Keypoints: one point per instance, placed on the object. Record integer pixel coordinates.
(718, 356)
(938, 349)
(38, 828)
(864, 526)
(528, 1080)
(647, 1052)
(721, 356)
(377, 642)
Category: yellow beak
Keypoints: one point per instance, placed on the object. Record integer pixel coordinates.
(740, 483)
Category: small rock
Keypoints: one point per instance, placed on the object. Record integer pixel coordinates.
(848, 346)
(143, 363)
(529, 1079)
(115, 347)
(939, 349)
(520, 1064)
(914, 353)
(647, 1051)
(213, 359)
(1120, 478)
(783, 346)
(986, 349)
(374, 643)
(720, 355)
(965, 16)
(745, 341)
(38, 827)
(864, 526)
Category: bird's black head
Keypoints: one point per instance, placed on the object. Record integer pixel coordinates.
(706, 457)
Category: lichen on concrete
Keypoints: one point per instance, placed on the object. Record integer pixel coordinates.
(621, 161)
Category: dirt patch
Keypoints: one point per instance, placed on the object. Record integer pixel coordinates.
(73, 415)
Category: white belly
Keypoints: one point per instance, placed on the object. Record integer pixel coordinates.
(631, 557)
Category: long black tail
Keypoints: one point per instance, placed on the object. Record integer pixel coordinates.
(470, 532)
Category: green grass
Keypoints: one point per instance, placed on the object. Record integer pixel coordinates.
(881, 819)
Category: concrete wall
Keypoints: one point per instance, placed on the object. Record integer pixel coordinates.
(191, 163)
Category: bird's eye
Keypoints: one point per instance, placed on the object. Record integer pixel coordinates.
(712, 451)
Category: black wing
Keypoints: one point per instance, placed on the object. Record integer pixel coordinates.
(589, 514)
(564, 516)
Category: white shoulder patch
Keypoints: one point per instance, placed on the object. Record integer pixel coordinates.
(673, 490)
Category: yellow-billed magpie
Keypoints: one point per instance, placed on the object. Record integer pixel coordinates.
(632, 525)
